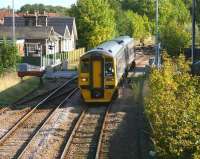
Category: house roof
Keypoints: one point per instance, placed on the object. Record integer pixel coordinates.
(26, 32)
(60, 23)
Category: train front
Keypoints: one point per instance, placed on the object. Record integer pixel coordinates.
(97, 79)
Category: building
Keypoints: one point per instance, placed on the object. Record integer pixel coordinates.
(41, 35)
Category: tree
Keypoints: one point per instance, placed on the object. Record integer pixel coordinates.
(141, 7)
(41, 8)
(95, 22)
(174, 38)
(8, 55)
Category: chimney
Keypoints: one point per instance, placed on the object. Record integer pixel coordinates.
(45, 15)
(36, 18)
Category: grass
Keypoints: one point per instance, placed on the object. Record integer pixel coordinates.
(12, 88)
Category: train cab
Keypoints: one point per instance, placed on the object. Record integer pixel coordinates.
(100, 71)
(97, 78)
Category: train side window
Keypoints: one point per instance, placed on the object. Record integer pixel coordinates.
(85, 66)
(109, 70)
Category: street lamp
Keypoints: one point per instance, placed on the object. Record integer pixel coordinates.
(13, 15)
(193, 30)
(157, 58)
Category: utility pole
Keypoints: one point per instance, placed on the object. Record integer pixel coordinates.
(157, 36)
(13, 15)
(193, 29)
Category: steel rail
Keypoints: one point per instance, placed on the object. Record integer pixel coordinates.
(99, 146)
(26, 116)
(77, 125)
(34, 98)
(20, 154)
(2, 110)
(80, 119)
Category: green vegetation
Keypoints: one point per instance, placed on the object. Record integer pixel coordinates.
(12, 88)
(102, 20)
(41, 8)
(95, 22)
(173, 107)
(8, 56)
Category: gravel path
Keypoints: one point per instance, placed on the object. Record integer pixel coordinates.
(124, 134)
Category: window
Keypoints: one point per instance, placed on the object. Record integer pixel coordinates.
(85, 66)
(109, 70)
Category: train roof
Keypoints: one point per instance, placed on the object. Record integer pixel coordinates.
(123, 40)
(109, 47)
(112, 47)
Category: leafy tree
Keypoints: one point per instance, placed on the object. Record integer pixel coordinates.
(142, 7)
(95, 22)
(174, 38)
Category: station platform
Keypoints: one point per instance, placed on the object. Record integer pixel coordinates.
(60, 74)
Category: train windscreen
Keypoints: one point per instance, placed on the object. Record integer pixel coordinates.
(85, 65)
(109, 69)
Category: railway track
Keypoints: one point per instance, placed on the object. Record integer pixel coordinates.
(86, 134)
(38, 98)
(18, 136)
(25, 148)
(2, 110)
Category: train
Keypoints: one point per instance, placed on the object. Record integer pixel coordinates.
(102, 68)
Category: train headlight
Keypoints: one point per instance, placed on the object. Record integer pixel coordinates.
(84, 79)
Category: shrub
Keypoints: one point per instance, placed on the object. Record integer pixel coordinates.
(173, 107)
(8, 55)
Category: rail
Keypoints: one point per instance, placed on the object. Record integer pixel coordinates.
(26, 116)
(76, 127)
(47, 120)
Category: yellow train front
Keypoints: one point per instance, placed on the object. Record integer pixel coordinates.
(102, 68)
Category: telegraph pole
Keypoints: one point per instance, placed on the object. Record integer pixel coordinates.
(157, 36)
(13, 15)
(193, 29)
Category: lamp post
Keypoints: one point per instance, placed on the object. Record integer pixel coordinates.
(13, 15)
(193, 30)
(157, 60)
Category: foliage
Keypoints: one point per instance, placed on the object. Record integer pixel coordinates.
(95, 22)
(141, 7)
(8, 55)
(174, 17)
(174, 38)
(41, 8)
(173, 107)
(136, 26)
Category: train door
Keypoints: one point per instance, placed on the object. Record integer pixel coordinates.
(97, 77)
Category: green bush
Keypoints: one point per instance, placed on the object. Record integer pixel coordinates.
(174, 38)
(8, 55)
(173, 107)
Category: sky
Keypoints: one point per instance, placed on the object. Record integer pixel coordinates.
(19, 3)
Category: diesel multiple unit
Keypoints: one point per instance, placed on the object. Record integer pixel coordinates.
(102, 68)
